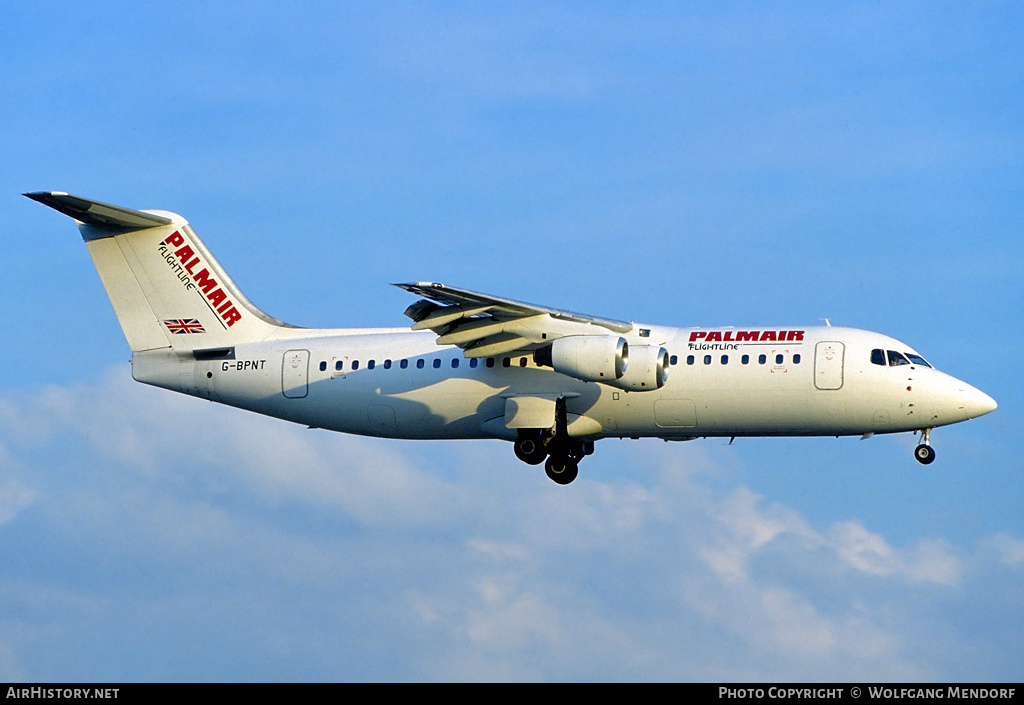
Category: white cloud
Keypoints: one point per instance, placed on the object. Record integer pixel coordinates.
(1010, 549)
(363, 558)
(930, 560)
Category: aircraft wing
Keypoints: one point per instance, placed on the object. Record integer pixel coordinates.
(484, 325)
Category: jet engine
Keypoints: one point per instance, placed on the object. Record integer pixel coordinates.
(648, 369)
(594, 358)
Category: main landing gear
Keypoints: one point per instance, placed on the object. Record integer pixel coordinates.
(924, 452)
(560, 454)
(530, 447)
(562, 469)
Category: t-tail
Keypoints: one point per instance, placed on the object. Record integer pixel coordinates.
(166, 288)
(173, 300)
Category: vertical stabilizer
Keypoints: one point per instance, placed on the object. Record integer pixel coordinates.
(166, 288)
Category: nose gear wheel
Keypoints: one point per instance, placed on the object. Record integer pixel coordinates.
(924, 453)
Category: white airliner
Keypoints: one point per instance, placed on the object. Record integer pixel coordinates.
(480, 366)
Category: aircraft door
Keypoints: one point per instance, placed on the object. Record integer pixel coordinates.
(828, 365)
(295, 374)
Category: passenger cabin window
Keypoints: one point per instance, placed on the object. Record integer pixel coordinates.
(707, 359)
(689, 359)
(338, 365)
(355, 364)
(796, 359)
(761, 359)
(403, 364)
(490, 362)
(473, 362)
(323, 366)
(387, 364)
(455, 362)
(725, 359)
(437, 363)
(673, 360)
(419, 364)
(778, 359)
(745, 359)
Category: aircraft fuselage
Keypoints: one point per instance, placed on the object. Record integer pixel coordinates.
(722, 382)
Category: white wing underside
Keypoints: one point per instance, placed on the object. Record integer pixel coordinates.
(484, 325)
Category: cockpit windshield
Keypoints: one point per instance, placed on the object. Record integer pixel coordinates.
(893, 358)
(917, 359)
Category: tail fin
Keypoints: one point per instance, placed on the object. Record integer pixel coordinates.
(166, 288)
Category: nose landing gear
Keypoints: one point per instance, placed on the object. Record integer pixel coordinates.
(924, 452)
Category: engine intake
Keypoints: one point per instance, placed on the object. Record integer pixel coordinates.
(648, 369)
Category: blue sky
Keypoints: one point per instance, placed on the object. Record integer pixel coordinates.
(741, 163)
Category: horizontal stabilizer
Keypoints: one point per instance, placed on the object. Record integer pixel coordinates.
(98, 214)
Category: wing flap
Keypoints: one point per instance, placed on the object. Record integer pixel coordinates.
(476, 329)
(484, 325)
(496, 345)
(443, 315)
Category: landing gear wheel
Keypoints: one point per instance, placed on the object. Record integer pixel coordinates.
(530, 450)
(561, 470)
(924, 454)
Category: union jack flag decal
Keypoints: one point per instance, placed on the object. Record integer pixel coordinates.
(181, 326)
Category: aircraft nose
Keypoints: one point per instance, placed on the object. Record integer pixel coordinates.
(975, 402)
